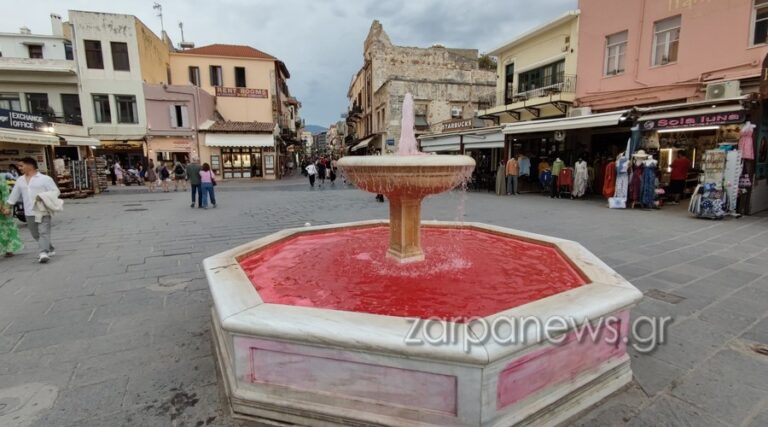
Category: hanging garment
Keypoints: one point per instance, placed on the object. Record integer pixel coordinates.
(501, 182)
(565, 179)
(609, 180)
(599, 170)
(746, 143)
(557, 166)
(635, 183)
(622, 178)
(580, 179)
(648, 186)
(525, 166)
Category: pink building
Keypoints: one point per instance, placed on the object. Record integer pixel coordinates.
(646, 52)
(174, 116)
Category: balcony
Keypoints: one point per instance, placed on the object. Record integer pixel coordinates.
(533, 96)
(35, 65)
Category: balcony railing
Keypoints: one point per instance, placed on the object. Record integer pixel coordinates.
(534, 89)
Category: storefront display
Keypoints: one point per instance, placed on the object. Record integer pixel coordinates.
(241, 162)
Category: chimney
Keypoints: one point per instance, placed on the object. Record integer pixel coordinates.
(25, 30)
(56, 27)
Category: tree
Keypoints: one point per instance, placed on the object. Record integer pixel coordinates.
(486, 62)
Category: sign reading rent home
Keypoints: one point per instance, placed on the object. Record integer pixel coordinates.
(10, 119)
(241, 92)
(711, 119)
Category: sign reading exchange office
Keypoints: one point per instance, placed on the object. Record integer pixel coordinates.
(712, 119)
(241, 92)
(10, 119)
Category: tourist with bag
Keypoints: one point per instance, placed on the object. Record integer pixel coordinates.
(207, 181)
(179, 176)
(165, 177)
(151, 176)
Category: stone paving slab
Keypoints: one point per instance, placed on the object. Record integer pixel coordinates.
(117, 326)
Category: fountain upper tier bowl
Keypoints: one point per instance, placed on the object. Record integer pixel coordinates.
(414, 176)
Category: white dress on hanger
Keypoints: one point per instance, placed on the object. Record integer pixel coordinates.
(580, 179)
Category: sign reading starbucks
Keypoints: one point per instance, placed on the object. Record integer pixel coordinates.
(241, 92)
(10, 119)
(457, 124)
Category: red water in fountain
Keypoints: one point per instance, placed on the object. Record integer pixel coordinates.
(467, 273)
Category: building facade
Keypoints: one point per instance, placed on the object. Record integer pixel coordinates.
(256, 114)
(115, 56)
(446, 83)
(679, 63)
(40, 111)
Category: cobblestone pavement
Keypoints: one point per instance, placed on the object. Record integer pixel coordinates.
(115, 330)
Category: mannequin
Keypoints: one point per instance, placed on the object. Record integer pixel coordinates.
(557, 167)
(746, 143)
(649, 183)
(580, 178)
(512, 170)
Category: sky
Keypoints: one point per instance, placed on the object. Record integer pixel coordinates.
(321, 41)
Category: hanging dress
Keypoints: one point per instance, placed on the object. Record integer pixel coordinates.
(609, 180)
(746, 144)
(648, 186)
(635, 182)
(580, 179)
(622, 179)
(501, 182)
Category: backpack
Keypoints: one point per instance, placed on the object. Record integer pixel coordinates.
(164, 173)
(178, 170)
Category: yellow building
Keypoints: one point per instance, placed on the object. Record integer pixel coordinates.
(256, 113)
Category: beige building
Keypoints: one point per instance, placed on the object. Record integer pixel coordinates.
(256, 116)
(447, 85)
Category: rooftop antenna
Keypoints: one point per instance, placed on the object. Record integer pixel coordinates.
(159, 8)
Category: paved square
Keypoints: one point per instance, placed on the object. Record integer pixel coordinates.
(115, 330)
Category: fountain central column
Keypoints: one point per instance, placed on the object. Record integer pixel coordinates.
(404, 226)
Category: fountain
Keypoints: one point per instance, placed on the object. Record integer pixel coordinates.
(404, 322)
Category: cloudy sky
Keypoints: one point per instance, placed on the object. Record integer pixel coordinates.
(321, 41)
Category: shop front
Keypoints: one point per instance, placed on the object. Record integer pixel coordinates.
(242, 155)
(130, 153)
(15, 145)
(171, 149)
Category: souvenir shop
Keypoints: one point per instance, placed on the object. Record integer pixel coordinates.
(686, 155)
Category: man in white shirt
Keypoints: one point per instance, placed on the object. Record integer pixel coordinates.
(27, 187)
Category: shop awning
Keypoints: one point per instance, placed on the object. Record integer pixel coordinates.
(362, 144)
(81, 141)
(484, 140)
(613, 118)
(22, 137)
(441, 148)
(239, 140)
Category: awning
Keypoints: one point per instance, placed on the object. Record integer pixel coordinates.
(693, 118)
(239, 140)
(441, 148)
(22, 137)
(81, 141)
(484, 140)
(591, 121)
(362, 144)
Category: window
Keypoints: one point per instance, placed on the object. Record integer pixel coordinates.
(126, 109)
(93, 58)
(615, 52)
(35, 51)
(760, 24)
(239, 76)
(666, 37)
(509, 83)
(101, 109)
(542, 77)
(216, 77)
(10, 101)
(68, 53)
(179, 116)
(71, 106)
(456, 111)
(194, 75)
(120, 56)
(37, 103)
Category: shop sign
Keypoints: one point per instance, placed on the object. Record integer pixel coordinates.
(457, 125)
(713, 119)
(10, 119)
(241, 92)
(391, 142)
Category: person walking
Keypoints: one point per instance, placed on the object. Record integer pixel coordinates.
(207, 181)
(321, 169)
(179, 176)
(193, 173)
(151, 176)
(311, 173)
(31, 188)
(165, 176)
(680, 167)
(119, 173)
(10, 242)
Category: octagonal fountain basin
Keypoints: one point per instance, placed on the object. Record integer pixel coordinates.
(316, 326)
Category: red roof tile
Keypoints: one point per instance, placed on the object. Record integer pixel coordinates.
(233, 50)
(230, 126)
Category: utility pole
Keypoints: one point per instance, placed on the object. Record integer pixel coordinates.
(159, 8)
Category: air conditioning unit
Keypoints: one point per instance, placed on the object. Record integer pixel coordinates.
(722, 90)
(578, 112)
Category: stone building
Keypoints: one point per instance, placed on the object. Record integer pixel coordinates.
(447, 84)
